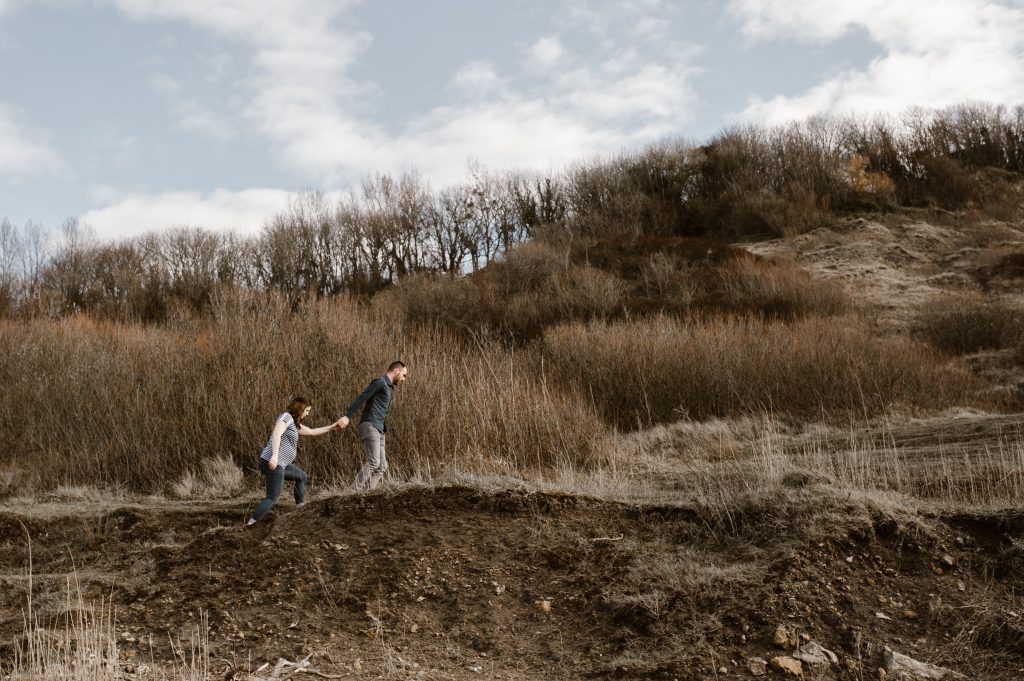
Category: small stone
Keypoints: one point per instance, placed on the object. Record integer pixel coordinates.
(783, 638)
(543, 605)
(882, 616)
(816, 656)
(758, 666)
(961, 586)
(904, 667)
(948, 560)
(909, 614)
(788, 665)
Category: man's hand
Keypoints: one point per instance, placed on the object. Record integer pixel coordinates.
(341, 423)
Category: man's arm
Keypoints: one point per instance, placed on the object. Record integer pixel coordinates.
(370, 391)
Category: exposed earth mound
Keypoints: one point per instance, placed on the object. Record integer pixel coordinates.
(459, 582)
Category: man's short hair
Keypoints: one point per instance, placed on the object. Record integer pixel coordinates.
(396, 365)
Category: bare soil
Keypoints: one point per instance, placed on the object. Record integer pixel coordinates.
(459, 582)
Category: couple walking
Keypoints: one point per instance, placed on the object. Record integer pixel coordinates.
(277, 461)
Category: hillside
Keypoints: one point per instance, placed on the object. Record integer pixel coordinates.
(463, 582)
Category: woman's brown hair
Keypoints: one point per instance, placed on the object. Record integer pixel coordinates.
(296, 407)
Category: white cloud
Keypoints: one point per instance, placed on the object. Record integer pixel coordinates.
(132, 215)
(192, 114)
(627, 87)
(478, 77)
(935, 53)
(545, 54)
(301, 93)
(24, 150)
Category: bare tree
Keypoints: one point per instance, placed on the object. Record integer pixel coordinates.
(447, 241)
(10, 279)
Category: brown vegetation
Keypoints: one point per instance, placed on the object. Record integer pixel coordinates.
(101, 402)
(964, 323)
(664, 369)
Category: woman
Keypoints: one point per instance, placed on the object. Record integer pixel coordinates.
(278, 457)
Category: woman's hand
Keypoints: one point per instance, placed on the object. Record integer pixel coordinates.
(272, 464)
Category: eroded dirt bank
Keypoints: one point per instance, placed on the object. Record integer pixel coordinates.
(458, 582)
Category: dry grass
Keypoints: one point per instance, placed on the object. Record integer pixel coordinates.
(515, 298)
(955, 478)
(113, 404)
(967, 323)
(216, 478)
(655, 371)
(776, 288)
(82, 644)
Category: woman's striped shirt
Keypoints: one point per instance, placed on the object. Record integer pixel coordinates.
(289, 447)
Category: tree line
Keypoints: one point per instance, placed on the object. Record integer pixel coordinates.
(746, 180)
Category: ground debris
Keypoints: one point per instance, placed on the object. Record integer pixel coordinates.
(284, 669)
(903, 668)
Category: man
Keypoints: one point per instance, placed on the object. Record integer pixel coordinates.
(372, 429)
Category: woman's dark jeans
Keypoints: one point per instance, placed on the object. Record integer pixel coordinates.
(275, 481)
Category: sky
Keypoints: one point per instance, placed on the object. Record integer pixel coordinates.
(140, 115)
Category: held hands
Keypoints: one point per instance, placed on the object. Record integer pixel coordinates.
(340, 423)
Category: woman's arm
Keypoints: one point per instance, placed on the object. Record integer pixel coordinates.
(322, 430)
(275, 443)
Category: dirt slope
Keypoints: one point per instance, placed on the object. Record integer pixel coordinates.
(456, 582)
(893, 268)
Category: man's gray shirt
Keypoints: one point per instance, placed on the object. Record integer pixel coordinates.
(378, 402)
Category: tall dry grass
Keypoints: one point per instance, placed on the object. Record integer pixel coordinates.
(724, 463)
(92, 402)
(777, 288)
(662, 369)
(964, 323)
(81, 644)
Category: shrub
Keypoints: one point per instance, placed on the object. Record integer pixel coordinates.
(526, 267)
(437, 300)
(965, 323)
(667, 282)
(586, 293)
(656, 370)
(776, 288)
